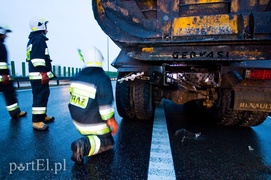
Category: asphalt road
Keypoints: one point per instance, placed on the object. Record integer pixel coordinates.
(195, 150)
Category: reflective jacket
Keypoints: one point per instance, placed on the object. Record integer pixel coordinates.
(37, 56)
(91, 100)
(4, 70)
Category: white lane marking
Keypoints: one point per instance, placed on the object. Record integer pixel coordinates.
(161, 162)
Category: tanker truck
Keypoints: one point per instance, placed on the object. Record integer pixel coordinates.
(215, 54)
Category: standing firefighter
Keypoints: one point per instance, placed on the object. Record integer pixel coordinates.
(6, 85)
(91, 108)
(39, 72)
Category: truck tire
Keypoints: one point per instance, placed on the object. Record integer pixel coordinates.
(253, 119)
(124, 100)
(143, 102)
(222, 111)
(224, 114)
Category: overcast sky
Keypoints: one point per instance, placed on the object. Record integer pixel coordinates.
(71, 26)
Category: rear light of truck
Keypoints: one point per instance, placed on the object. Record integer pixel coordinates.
(263, 74)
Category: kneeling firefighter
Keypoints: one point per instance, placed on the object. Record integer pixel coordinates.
(91, 108)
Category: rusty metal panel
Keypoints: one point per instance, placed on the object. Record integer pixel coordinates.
(201, 52)
(203, 7)
(205, 25)
(202, 1)
(260, 23)
(156, 30)
(253, 99)
(249, 5)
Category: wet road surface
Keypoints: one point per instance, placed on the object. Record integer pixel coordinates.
(216, 153)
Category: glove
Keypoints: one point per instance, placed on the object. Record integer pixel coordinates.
(112, 123)
(5, 79)
(44, 78)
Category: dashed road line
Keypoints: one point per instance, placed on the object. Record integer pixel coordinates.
(161, 162)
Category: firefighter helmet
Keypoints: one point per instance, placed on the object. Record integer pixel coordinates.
(93, 58)
(4, 29)
(38, 24)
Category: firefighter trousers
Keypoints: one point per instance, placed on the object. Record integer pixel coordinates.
(41, 94)
(98, 143)
(98, 135)
(11, 99)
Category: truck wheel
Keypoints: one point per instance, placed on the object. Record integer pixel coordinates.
(225, 115)
(143, 102)
(253, 118)
(222, 111)
(124, 100)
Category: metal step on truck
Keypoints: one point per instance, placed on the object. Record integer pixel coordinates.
(215, 54)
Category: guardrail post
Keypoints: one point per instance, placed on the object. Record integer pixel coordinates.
(23, 69)
(54, 69)
(64, 71)
(12, 68)
(59, 74)
(72, 71)
(69, 71)
(59, 71)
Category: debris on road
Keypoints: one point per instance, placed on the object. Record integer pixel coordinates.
(187, 134)
(250, 148)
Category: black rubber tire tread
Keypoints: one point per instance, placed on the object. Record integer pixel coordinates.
(124, 99)
(225, 115)
(143, 102)
(253, 118)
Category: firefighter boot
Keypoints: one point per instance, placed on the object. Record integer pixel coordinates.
(40, 126)
(80, 148)
(48, 119)
(21, 114)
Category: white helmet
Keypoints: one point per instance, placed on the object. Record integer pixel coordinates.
(38, 24)
(4, 29)
(93, 58)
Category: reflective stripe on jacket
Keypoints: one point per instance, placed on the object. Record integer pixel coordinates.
(106, 111)
(3, 65)
(37, 75)
(88, 129)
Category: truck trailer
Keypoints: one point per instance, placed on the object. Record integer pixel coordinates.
(215, 54)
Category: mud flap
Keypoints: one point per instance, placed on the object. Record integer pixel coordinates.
(252, 99)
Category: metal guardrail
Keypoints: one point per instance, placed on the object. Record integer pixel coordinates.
(19, 79)
(62, 74)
